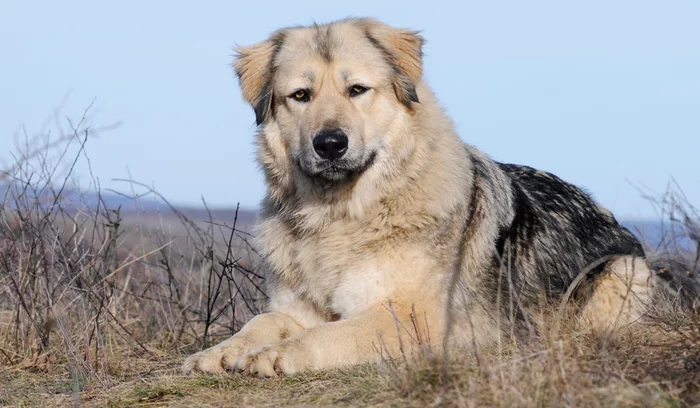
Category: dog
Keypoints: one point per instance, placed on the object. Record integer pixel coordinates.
(378, 214)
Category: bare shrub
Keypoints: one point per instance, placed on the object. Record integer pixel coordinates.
(676, 253)
(86, 284)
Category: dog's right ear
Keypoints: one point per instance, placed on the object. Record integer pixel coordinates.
(254, 69)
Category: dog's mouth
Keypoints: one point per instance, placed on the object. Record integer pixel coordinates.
(335, 171)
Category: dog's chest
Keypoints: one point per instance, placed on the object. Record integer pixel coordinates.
(340, 274)
(343, 271)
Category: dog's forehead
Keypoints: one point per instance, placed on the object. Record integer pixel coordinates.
(343, 44)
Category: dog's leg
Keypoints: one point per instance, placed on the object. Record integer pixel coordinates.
(287, 315)
(354, 340)
(621, 295)
(262, 329)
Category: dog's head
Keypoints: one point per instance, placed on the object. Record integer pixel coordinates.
(329, 98)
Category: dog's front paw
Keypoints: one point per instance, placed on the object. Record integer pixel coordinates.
(214, 359)
(272, 360)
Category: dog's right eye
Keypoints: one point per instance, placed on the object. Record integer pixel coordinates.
(301, 95)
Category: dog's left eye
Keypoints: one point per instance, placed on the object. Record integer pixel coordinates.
(357, 90)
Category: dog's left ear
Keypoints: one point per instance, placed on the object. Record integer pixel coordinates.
(404, 50)
(253, 67)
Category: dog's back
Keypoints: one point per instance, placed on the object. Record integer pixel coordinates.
(558, 231)
(555, 243)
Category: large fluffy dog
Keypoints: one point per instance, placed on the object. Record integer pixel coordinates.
(378, 217)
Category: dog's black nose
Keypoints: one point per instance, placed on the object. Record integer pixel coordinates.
(331, 144)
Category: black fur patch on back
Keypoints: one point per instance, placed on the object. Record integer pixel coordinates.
(556, 232)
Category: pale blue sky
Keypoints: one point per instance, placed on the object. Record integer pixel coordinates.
(603, 93)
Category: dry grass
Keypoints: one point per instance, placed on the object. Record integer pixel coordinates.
(651, 368)
(99, 311)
